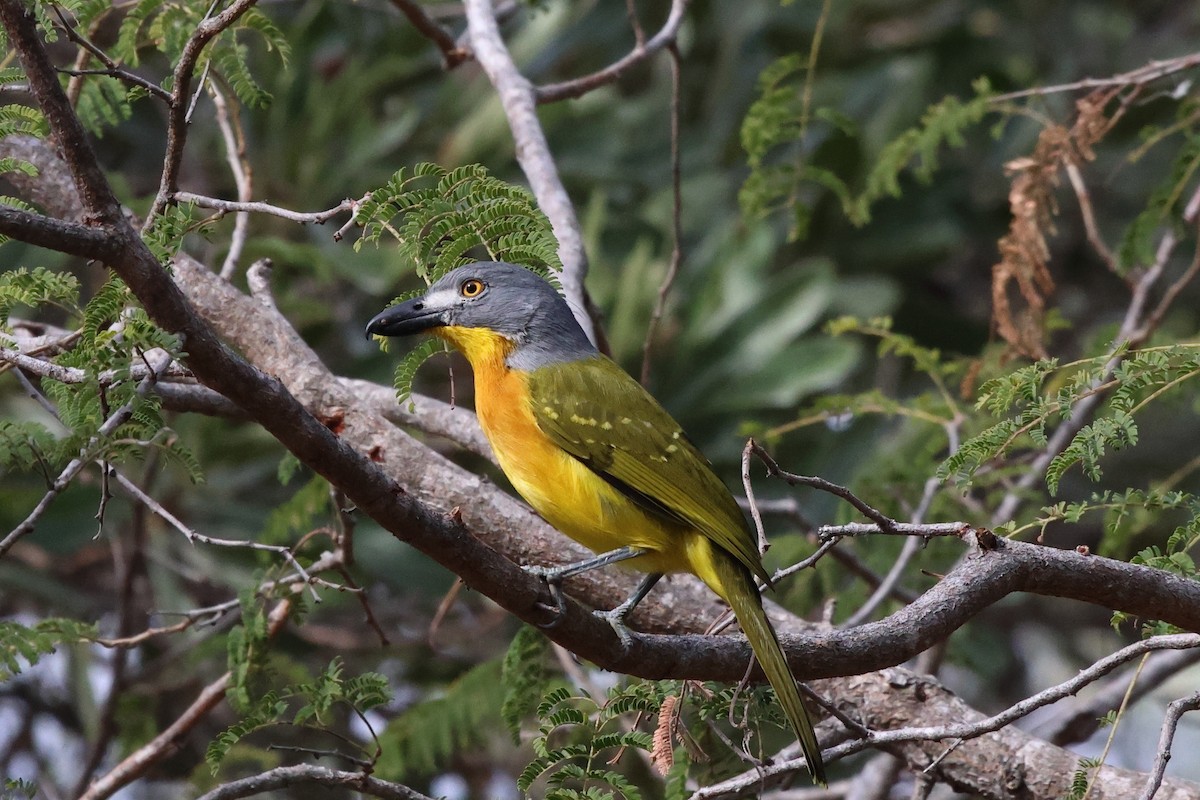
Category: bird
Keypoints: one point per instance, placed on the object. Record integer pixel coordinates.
(596, 455)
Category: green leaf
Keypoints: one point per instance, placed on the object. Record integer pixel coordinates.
(523, 675)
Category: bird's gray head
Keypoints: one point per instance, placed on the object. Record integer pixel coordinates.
(506, 299)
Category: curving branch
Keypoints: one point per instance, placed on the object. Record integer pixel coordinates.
(518, 98)
(452, 53)
(240, 206)
(311, 774)
(1176, 710)
(142, 759)
(181, 82)
(578, 87)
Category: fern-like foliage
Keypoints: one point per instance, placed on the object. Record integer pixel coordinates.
(937, 407)
(442, 219)
(577, 738)
(406, 369)
(782, 148)
(22, 120)
(34, 288)
(298, 514)
(111, 339)
(23, 645)
(524, 676)
(942, 124)
(268, 710)
(1142, 378)
(1165, 206)
(438, 217)
(165, 234)
(18, 788)
(309, 704)
(1125, 514)
(423, 738)
(104, 104)
(775, 124)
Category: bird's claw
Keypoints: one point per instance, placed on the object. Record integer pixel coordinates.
(616, 619)
(553, 582)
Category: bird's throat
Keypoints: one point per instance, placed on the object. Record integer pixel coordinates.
(486, 350)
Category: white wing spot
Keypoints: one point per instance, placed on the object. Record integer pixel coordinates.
(675, 435)
(606, 425)
(671, 449)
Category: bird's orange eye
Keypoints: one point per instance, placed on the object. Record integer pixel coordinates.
(471, 288)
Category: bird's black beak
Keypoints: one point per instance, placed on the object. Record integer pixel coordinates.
(411, 316)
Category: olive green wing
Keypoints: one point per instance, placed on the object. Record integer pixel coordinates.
(596, 412)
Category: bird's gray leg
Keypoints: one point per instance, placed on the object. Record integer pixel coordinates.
(616, 617)
(554, 576)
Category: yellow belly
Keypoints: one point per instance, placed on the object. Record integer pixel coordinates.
(564, 491)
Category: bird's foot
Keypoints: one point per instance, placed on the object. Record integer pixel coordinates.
(553, 578)
(616, 619)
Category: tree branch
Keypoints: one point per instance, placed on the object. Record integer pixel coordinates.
(181, 82)
(56, 234)
(517, 96)
(452, 53)
(139, 761)
(578, 87)
(306, 774)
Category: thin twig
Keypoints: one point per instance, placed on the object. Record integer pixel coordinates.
(923, 529)
(302, 217)
(1165, 739)
(126, 642)
(911, 547)
(300, 775)
(453, 54)
(1143, 75)
(195, 536)
(1155, 318)
(969, 730)
(763, 544)
(668, 280)
(229, 123)
(258, 281)
(639, 33)
(907, 553)
(1095, 239)
(139, 761)
(803, 564)
(577, 87)
(1134, 330)
(878, 517)
(109, 377)
(111, 424)
(112, 68)
(181, 81)
(1079, 721)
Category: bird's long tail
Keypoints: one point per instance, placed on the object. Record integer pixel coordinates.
(737, 588)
